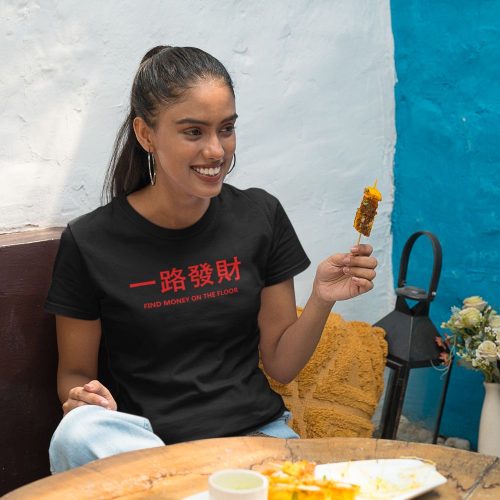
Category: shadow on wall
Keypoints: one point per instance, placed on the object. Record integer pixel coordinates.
(52, 81)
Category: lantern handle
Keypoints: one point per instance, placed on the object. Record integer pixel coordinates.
(436, 268)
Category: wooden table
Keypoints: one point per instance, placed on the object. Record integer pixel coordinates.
(175, 471)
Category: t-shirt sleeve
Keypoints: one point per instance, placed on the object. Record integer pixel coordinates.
(287, 258)
(71, 292)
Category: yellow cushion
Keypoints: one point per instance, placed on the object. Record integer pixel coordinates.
(337, 392)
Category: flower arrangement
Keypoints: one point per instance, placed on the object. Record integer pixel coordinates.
(475, 337)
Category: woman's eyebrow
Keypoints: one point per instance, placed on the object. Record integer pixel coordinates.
(195, 121)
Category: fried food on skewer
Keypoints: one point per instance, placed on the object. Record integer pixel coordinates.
(365, 215)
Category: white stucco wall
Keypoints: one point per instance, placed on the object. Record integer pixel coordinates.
(314, 84)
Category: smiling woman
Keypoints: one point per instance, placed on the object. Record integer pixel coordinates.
(180, 126)
(182, 280)
(192, 143)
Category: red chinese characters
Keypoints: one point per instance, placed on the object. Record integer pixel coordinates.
(201, 274)
(198, 275)
(226, 271)
(172, 280)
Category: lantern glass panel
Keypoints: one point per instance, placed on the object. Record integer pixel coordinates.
(420, 409)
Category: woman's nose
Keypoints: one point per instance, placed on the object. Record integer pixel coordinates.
(214, 149)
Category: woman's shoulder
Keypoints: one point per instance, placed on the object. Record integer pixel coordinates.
(98, 219)
(252, 197)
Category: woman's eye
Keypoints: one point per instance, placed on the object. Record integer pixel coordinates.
(193, 131)
(228, 129)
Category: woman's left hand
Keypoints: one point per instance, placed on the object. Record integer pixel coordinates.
(345, 275)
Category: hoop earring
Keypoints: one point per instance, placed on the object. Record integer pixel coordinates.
(233, 165)
(151, 168)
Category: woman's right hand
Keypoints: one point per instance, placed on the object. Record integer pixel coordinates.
(92, 393)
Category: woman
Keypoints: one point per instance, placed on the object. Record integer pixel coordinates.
(183, 279)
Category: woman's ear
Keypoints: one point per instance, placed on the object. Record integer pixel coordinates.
(143, 134)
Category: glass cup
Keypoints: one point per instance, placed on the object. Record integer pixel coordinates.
(237, 484)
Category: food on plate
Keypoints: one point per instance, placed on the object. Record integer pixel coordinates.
(296, 481)
(365, 215)
(385, 478)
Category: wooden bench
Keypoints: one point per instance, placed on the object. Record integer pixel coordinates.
(29, 407)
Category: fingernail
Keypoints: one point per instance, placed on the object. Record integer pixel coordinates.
(104, 402)
(354, 249)
(355, 279)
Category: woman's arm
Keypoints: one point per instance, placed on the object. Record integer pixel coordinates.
(78, 345)
(287, 342)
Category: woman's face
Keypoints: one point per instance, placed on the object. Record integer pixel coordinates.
(194, 141)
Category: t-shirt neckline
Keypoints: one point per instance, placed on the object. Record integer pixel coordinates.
(165, 233)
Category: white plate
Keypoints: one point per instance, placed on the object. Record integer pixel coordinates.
(199, 496)
(397, 479)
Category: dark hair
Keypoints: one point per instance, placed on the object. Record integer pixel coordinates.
(164, 74)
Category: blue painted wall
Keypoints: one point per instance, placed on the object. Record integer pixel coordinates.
(447, 167)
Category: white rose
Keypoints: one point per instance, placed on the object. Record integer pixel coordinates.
(470, 317)
(487, 350)
(476, 302)
(494, 321)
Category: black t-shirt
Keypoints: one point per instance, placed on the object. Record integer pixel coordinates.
(179, 308)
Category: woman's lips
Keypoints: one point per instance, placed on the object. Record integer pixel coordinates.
(208, 171)
(208, 174)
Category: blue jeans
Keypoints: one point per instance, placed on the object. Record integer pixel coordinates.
(90, 432)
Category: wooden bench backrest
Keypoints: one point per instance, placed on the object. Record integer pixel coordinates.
(29, 407)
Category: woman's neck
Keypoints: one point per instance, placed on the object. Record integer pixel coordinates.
(165, 211)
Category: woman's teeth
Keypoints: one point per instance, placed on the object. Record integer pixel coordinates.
(211, 172)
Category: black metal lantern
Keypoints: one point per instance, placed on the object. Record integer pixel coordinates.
(411, 338)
